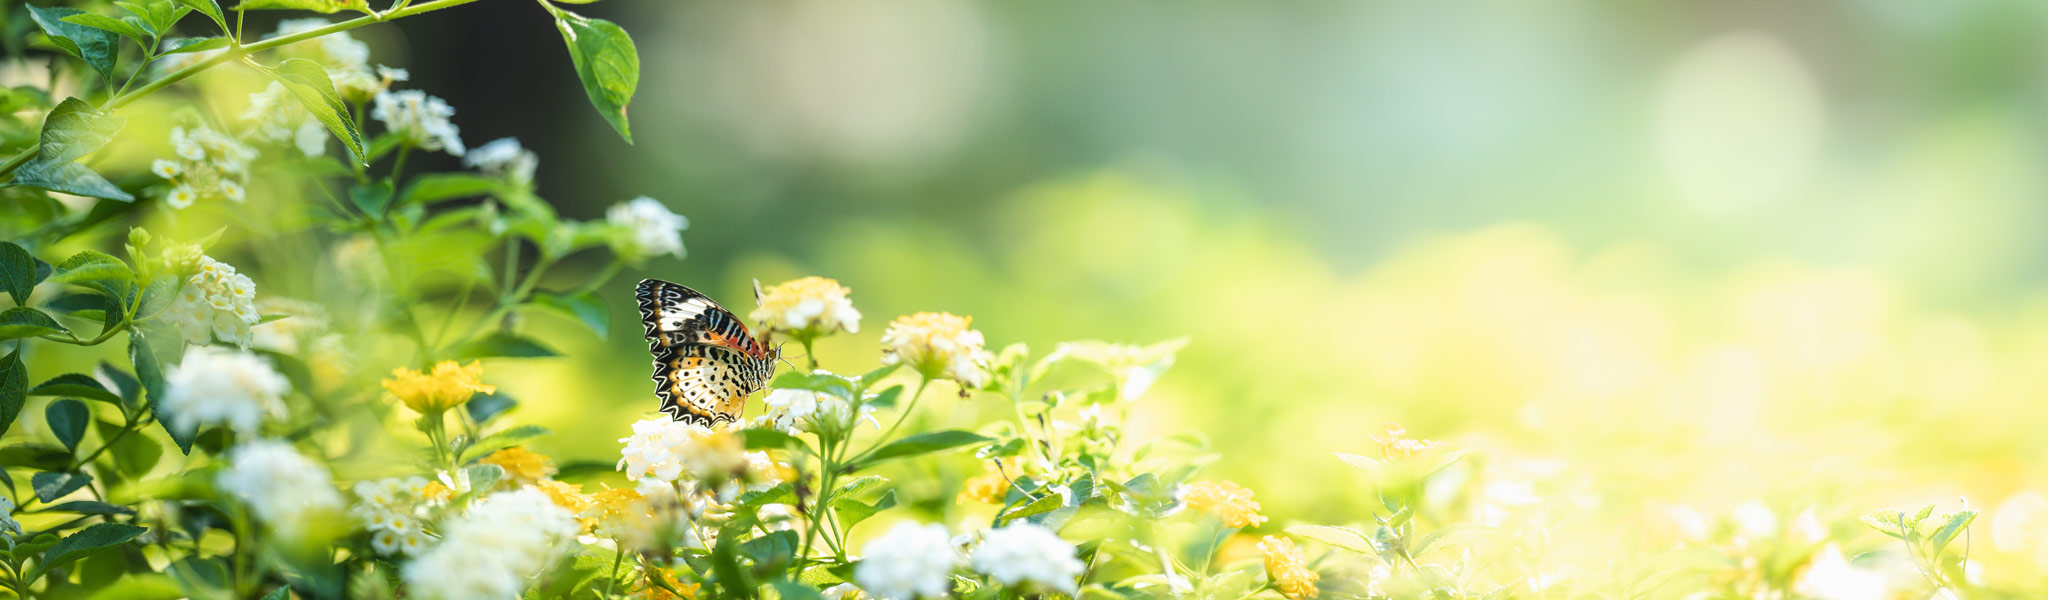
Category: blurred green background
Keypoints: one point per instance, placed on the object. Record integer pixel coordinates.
(1648, 253)
(1700, 253)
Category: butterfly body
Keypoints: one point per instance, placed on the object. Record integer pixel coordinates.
(705, 361)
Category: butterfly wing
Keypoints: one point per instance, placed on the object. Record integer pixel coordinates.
(705, 362)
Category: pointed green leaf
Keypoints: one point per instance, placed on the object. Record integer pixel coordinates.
(76, 385)
(20, 272)
(500, 441)
(436, 187)
(51, 486)
(926, 443)
(98, 47)
(132, 30)
(200, 44)
(96, 538)
(151, 374)
(71, 131)
(321, 6)
(606, 62)
(208, 8)
(584, 307)
(1341, 537)
(67, 419)
(22, 321)
(308, 82)
(13, 389)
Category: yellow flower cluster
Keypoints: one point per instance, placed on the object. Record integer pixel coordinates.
(447, 386)
(1393, 445)
(986, 488)
(652, 591)
(1285, 565)
(522, 465)
(1225, 500)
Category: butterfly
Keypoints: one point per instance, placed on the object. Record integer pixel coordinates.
(705, 362)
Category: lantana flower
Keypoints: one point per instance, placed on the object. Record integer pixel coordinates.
(225, 387)
(283, 489)
(524, 467)
(667, 449)
(806, 308)
(646, 228)
(207, 164)
(421, 118)
(215, 303)
(394, 511)
(1225, 500)
(909, 561)
(447, 385)
(504, 157)
(1288, 569)
(1024, 554)
(939, 346)
(492, 551)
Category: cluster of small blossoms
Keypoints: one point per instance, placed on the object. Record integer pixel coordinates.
(1288, 569)
(986, 488)
(807, 308)
(645, 228)
(1394, 446)
(490, 551)
(282, 488)
(795, 410)
(394, 512)
(447, 385)
(917, 561)
(227, 387)
(522, 466)
(668, 450)
(1231, 503)
(939, 346)
(506, 158)
(278, 118)
(208, 165)
(215, 303)
(422, 119)
(346, 59)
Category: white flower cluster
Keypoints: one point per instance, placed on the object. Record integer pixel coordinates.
(346, 59)
(793, 410)
(495, 550)
(215, 303)
(939, 345)
(284, 489)
(505, 157)
(393, 510)
(231, 387)
(648, 229)
(909, 561)
(276, 117)
(209, 164)
(1023, 554)
(668, 449)
(421, 118)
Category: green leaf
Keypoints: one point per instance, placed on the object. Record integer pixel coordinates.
(584, 307)
(926, 443)
(851, 512)
(90, 507)
(200, 44)
(157, 16)
(769, 439)
(98, 47)
(483, 407)
(771, 552)
(151, 375)
(35, 455)
(606, 62)
(211, 10)
(13, 389)
(98, 537)
(72, 131)
(308, 82)
(860, 486)
(20, 272)
(372, 198)
(67, 419)
(1045, 504)
(500, 441)
(135, 455)
(482, 478)
(790, 590)
(22, 321)
(76, 385)
(502, 344)
(1950, 529)
(134, 31)
(94, 267)
(436, 187)
(825, 383)
(51, 486)
(1340, 537)
(321, 6)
